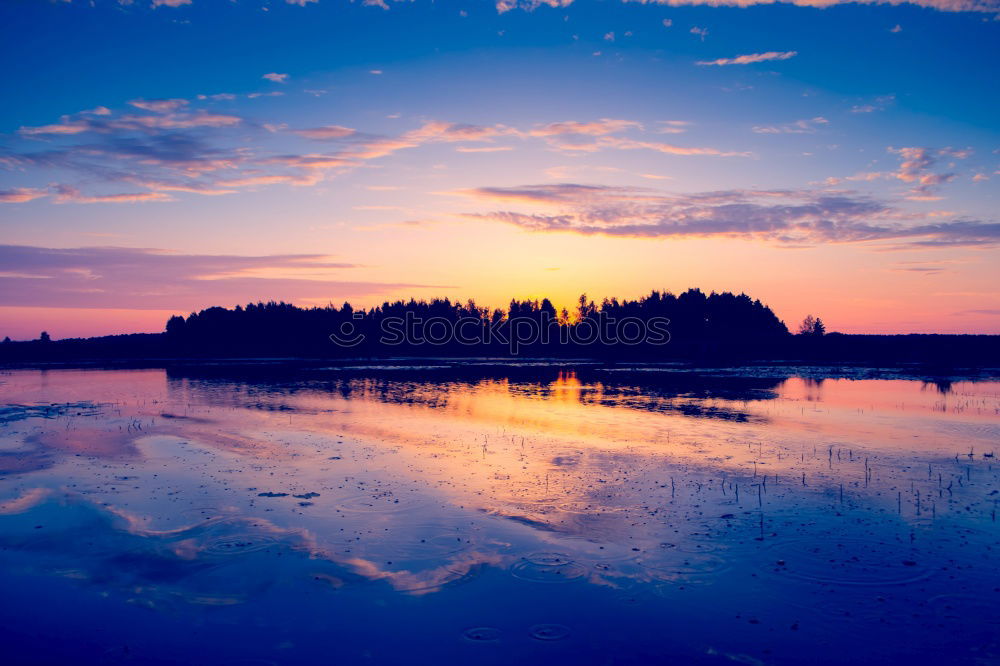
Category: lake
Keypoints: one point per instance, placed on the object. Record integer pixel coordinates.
(528, 513)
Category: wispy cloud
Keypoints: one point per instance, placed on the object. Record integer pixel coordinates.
(798, 127)
(600, 127)
(916, 168)
(750, 58)
(164, 119)
(176, 147)
(989, 6)
(21, 194)
(529, 5)
(877, 104)
(153, 279)
(483, 149)
(67, 194)
(276, 77)
(326, 132)
(786, 217)
(157, 105)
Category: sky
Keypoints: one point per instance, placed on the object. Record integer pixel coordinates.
(833, 158)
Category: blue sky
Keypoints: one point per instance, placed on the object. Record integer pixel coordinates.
(839, 159)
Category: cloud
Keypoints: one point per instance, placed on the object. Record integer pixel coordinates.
(176, 147)
(988, 312)
(157, 105)
(170, 3)
(580, 137)
(67, 194)
(784, 217)
(750, 58)
(483, 149)
(798, 127)
(65, 126)
(276, 77)
(529, 5)
(701, 32)
(594, 128)
(21, 195)
(431, 132)
(922, 270)
(326, 132)
(69, 125)
(915, 169)
(878, 104)
(988, 6)
(153, 279)
(622, 143)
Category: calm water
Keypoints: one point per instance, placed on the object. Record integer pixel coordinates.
(519, 516)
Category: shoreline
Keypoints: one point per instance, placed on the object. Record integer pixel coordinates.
(498, 365)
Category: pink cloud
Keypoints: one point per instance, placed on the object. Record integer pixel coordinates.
(66, 126)
(67, 194)
(158, 105)
(179, 121)
(594, 128)
(21, 195)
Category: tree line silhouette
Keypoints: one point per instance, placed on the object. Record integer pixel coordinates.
(714, 327)
(693, 322)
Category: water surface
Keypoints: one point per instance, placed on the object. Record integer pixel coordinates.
(531, 514)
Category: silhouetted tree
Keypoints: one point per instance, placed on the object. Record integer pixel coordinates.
(812, 326)
(44, 337)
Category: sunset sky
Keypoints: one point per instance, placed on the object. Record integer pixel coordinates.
(159, 157)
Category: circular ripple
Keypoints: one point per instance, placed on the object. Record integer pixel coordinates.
(589, 508)
(482, 634)
(593, 552)
(685, 567)
(846, 562)
(697, 546)
(379, 502)
(548, 568)
(963, 607)
(226, 538)
(844, 608)
(549, 632)
(423, 543)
